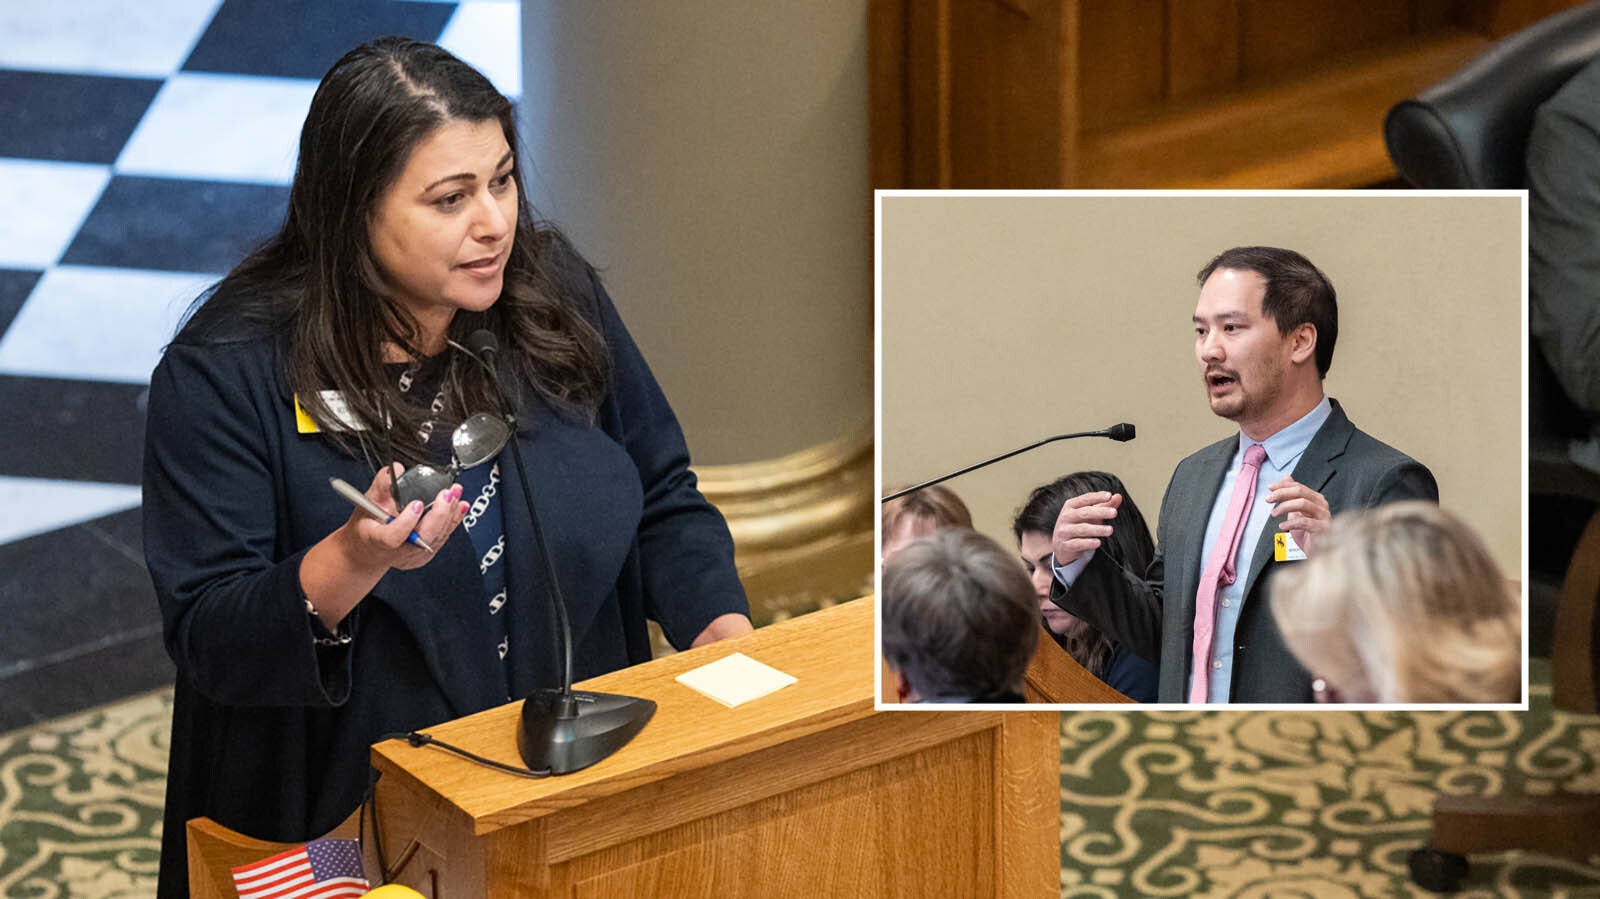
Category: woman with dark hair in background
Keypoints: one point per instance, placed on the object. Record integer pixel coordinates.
(1130, 546)
(304, 631)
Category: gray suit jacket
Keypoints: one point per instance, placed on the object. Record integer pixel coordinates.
(1345, 465)
(1564, 236)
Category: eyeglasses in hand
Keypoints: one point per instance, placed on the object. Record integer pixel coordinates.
(475, 441)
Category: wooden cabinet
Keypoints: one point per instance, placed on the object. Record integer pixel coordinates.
(1158, 93)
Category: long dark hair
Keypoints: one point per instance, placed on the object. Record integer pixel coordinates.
(1130, 546)
(315, 284)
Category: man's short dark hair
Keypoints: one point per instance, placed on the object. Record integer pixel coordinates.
(1297, 293)
(960, 620)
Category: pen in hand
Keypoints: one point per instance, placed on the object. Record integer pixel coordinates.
(368, 506)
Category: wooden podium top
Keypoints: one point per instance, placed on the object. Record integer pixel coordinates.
(829, 651)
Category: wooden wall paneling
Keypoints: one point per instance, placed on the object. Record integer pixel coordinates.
(1121, 67)
(1322, 131)
(1432, 16)
(1497, 18)
(1292, 38)
(1166, 93)
(1010, 100)
(1477, 16)
(928, 94)
(1069, 50)
(888, 90)
(1202, 47)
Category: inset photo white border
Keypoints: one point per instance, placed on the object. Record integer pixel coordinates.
(1006, 317)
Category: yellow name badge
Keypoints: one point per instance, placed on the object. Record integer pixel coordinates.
(1284, 549)
(334, 400)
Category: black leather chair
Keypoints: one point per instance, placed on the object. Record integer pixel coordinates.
(1471, 132)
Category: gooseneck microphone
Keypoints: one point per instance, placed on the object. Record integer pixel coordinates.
(1120, 432)
(563, 730)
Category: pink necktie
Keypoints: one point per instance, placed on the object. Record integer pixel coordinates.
(1219, 571)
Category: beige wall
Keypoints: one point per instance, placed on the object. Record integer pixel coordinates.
(1008, 319)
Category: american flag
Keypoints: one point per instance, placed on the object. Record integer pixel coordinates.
(321, 869)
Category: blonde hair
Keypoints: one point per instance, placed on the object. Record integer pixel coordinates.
(937, 507)
(915, 515)
(1403, 603)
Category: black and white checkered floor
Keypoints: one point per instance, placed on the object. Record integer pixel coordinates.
(146, 147)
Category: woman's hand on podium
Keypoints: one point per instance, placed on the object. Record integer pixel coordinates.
(722, 627)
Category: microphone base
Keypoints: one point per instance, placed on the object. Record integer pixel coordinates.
(563, 735)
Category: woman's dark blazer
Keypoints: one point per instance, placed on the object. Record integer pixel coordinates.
(271, 730)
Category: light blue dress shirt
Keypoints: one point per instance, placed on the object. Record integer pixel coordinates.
(1283, 453)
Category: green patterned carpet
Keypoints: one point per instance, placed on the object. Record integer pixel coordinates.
(1314, 804)
(1229, 804)
(80, 802)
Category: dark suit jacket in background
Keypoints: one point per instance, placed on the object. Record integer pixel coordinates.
(1344, 464)
(1564, 236)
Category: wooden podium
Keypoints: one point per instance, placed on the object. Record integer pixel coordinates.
(1054, 676)
(806, 792)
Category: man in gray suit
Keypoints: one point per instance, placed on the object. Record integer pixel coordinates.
(1265, 327)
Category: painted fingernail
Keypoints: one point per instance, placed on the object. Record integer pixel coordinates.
(455, 493)
(415, 507)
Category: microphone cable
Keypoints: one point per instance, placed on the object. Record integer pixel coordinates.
(420, 739)
(369, 799)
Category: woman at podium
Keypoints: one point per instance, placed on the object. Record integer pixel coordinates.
(306, 621)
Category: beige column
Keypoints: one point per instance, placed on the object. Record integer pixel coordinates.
(710, 158)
